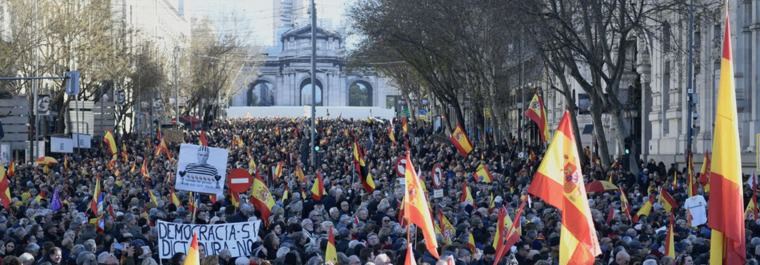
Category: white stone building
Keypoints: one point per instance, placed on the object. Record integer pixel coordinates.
(283, 79)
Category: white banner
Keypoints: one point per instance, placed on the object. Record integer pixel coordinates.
(201, 169)
(61, 145)
(237, 237)
(85, 140)
(5, 154)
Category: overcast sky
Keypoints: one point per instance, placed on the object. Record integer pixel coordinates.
(255, 17)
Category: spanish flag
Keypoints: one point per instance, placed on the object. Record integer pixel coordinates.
(5, 189)
(261, 198)
(471, 242)
(483, 174)
(560, 171)
(237, 141)
(624, 206)
(153, 197)
(299, 173)
(331, 255)
(162, 148)
(692, 185)
(192, 257)
(144, 170)
(235, 199)
(502, 226)
(537, 113)
(416, 208)
(365, 176)
(447, 230)
(391, 135)
(318, 188)
(667, 201)
(645, 209)
(202, 140)
(670, 249)
(512, 234)
(704, 173)
(461, 142)
(752, 207)
(110, 142)
(466, 196)
(727, 241)
(95, 196)
(277, 170)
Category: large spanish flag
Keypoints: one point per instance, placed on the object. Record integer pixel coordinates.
(416, 209)
(331, 256)
(191, 256)
(461, 142)
(727, 241)
(261, 198)
(537, 113)
(110, 142)
(560, 171)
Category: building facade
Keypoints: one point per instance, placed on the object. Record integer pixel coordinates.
(663, 65)
(284, 76)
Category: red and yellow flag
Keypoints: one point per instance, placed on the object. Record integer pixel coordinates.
(331, 255)
(446, 229)
(512, 234)
(483, 174)
(391, 134)
(416, 208)
(153, 197)
(251, 164)
(405, 125)
(95, 195)
(144, 170)
(667, 201)
(704, 173)
(318, 188)
(624, 206)
(670, 249)
(261, 198)
(645, 209)
(727, 241)
(466, 196)
(692, 185)
(191, 255)
(162, 148)
(502, 226)
(471, 242)
(110, 143)
(278, 170)
(361, 167)
(5, 189)
(461, 142)
(560, 171)
(299, 173)
(537, 113)
(235, 199)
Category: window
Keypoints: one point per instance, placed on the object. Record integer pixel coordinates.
(360, 94)
(306, 97)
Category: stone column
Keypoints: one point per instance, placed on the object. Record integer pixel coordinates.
(645, 69)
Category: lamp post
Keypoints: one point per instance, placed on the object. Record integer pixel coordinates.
(313, 84)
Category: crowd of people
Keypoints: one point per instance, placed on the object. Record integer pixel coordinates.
(49, 220)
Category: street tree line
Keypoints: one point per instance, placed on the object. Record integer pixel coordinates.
(50, 37)
(463, 53)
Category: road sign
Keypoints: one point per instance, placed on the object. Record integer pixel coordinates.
(401, 166)
(239, 180)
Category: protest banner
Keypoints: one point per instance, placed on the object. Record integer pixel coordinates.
(201, 169)
(236, 237)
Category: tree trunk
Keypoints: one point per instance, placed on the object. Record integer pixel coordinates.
(458, 112)
(601, 139)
